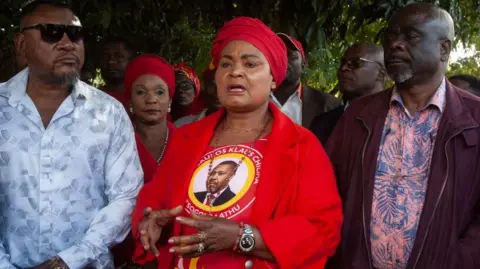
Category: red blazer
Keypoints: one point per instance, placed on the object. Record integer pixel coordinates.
(297, 208)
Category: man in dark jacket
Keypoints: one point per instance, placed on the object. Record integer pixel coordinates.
(298, 101)
(361, 72)
(407, 159)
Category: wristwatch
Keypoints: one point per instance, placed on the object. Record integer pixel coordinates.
(247, 239)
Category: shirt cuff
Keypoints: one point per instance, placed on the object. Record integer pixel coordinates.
(75, 257)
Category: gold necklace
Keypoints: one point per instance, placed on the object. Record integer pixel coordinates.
(215, 143)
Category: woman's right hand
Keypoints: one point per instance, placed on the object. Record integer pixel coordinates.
(151, 226)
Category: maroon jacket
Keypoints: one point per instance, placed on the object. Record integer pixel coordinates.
(448, 235)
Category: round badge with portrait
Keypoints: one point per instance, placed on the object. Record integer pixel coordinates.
(225, 187)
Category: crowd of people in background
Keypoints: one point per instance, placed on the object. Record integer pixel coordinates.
(162, 169)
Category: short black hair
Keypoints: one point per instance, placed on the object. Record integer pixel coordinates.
(31, 5)
(472, 81)
(118, 40)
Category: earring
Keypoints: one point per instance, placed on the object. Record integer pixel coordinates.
(274, 85)
(131, 109)
(169, 108)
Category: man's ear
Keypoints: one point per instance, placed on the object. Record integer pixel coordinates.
(445, 49)
(20, 46)
(382, 74)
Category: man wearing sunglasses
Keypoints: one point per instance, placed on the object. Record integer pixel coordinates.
(407, 159)
(69, 169)
(361, 72)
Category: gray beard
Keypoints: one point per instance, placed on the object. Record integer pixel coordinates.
(403, 76)
(68, 80)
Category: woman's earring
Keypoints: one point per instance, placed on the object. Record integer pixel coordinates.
(131, 109)
(274, 85)
(169, 108)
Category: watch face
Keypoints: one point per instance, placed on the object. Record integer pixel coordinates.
(247, 243)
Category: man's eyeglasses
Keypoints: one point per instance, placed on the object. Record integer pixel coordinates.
(355, 63)
(52, 33)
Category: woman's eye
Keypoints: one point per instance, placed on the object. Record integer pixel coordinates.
(160, 92)
(250, 64)
(225, 64)
(139, 92)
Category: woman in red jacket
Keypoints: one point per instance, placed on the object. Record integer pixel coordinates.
(149, 82)
(245, 187)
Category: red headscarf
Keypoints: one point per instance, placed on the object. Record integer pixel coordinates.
(148, 64)
(259, 35)
(190, 74)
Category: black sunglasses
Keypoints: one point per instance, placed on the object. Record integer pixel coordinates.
(52, 33)
(356, 63)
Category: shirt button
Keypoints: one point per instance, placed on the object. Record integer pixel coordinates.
(248, 264)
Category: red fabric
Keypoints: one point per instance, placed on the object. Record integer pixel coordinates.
(149, 164)
(190, 74)
(296, 190)
(259, 35)
(237, 208)
(123, 252)
(295, 43)
(148, 64)
(199, 102)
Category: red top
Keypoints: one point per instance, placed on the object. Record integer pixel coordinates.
(297, 207)
(123, 252)
(232, 197)
(149, 164)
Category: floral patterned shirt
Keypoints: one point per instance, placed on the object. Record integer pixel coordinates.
(401, 179)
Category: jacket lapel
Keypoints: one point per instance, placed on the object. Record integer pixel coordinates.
(373, 121)
(277, 166)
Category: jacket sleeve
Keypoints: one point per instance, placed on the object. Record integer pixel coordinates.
(310, 234)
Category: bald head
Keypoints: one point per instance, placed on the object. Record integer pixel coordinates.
(370, 51)
(417, 44)
(431, 14)
(361, 71)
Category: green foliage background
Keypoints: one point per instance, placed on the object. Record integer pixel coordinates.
(182, 30)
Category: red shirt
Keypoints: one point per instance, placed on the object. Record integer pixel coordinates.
(235, 201)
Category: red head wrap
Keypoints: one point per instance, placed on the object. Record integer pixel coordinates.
(259, 35)
(190, 74)
(294, 42)
(149, 64)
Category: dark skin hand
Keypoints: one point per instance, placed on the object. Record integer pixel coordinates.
(219, 234)
(152, 224)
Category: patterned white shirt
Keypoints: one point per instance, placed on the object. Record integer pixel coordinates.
(67, 189)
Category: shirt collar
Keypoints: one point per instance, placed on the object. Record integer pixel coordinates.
(15, 88)
(437, 100)
(298, 93)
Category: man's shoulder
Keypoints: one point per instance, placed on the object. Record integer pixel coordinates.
(98, 99)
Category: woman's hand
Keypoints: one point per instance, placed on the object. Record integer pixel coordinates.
(214, 234)
(151, 226)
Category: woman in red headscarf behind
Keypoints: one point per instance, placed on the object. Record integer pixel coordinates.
(245, 187)
(149, 83)
(188, 99)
